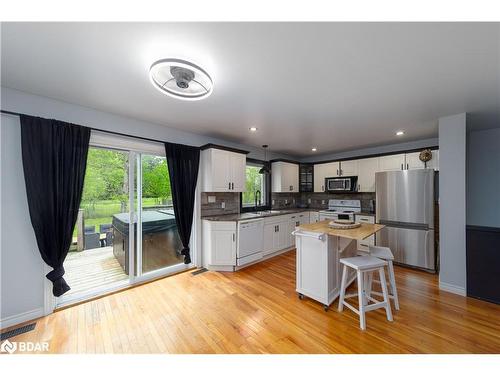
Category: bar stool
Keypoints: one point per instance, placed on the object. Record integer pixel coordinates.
(364, 265)
(385, 253)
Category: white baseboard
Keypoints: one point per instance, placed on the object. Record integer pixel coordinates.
(21, 318)
(452, 289)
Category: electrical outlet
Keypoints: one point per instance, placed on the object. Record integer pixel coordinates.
(286, 201)
(223, 205)
(323, 201)
(211, 199)
(309, 201)
(273, 202)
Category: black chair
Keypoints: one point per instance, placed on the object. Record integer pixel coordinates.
(103, 228)
(89, 229)
(109, 238)
(92, 241)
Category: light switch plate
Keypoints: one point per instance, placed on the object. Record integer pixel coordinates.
(273, 202)
(323, 201)
(309, 201)
(223, 205)
(211, 199)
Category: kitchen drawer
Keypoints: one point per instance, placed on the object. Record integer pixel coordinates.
(223, 225)
(364, 219)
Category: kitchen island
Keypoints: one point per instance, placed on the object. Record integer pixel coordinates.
(319, 250)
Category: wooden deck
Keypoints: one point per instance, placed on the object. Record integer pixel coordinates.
(92, 268)
(256, 310)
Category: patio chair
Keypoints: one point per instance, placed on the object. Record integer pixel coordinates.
(92, 241)
(109, 238)
(104, 228)
(89, 229)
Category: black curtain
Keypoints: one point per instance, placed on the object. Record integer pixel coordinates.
(54, 161)
(183, 163)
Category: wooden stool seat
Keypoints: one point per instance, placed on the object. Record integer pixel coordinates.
(364, 265)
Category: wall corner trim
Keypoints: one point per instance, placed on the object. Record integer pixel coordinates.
(21, 318)
(452, 289)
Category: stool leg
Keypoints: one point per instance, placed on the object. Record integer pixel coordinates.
(392, 280)
(385, 293)
(342, 288)
(361, 299)
(369, 284)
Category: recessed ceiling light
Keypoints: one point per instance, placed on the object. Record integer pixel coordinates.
(314, 149)
(400, 132)
(180, 79)
(253, 129)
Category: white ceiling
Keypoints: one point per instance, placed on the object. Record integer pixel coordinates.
(335, 86)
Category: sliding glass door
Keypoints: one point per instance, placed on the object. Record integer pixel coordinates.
(126, 231)
(158, 236)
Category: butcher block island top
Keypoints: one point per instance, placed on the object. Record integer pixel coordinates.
(360, 233)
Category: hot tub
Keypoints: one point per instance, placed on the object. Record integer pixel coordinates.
(161, 244)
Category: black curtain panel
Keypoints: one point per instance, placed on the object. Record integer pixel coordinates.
(183, 163)
(54, 161)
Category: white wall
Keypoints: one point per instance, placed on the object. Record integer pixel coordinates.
(452, 187)
(483, 178)
(21, 269)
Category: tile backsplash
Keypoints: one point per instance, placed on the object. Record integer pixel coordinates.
(230, 200)
(319, 200)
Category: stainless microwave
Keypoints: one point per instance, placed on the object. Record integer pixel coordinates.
(341, 184)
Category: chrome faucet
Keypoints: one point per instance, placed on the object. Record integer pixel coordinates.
(257, 200)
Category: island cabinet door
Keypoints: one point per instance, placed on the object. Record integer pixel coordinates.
(312, 268)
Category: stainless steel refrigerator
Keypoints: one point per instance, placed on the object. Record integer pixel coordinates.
(405, 205)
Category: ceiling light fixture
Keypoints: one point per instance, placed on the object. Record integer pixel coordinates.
(265, 168)
(400, 132)
(314, 149)
(253, 129)
(180, 79)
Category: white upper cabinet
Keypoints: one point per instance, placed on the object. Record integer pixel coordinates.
(348, 168)
(322, 171)
(222, 171)
(285, 177)
(366, 174)
(413, 161)
(392, 163)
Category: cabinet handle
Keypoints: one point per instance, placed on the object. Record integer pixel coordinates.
(407, 166)
(401, 166)
(297, 223)
(232, 185)
(323, 187)
(338, 173)
(229, 187)
(234, 237)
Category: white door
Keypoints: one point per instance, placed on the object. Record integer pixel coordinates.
(366, 174)
(269, 233)
(392, 162)
(224, 247)
(284, 235)
(221, 171)
(238, 170)
(321, 171)
(349, 168)
(293, 177)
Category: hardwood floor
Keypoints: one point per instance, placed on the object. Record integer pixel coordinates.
(256, 310)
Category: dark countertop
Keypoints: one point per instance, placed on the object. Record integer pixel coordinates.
(251, 215)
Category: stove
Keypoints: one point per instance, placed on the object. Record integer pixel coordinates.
(341, 209)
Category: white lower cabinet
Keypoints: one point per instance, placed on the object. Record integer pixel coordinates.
(219, 243)
(276, 236)
(313, 217)
(363, 244)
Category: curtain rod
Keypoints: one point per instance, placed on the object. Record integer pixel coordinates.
(99, 130)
